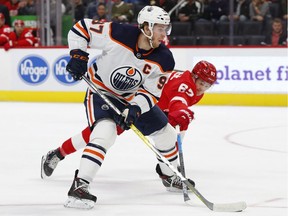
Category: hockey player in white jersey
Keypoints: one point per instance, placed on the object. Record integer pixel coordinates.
(133, 60)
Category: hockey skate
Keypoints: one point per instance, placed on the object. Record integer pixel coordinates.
(49, 162)
(172, 183)
(79, 196)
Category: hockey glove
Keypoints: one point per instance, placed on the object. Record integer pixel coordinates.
(131, 113)
(77, 66)
(181, 117)
(3, 40)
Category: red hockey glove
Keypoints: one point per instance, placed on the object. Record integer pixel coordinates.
(181, 117)
(3, 40)
(9, 45)
(77, 66)
(132, 113)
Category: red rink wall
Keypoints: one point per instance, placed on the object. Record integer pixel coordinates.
(249, 76)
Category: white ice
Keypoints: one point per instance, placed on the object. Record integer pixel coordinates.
(232, 153)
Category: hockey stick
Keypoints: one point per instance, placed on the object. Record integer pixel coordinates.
(226, 207)
(182, 167)
(177, 70)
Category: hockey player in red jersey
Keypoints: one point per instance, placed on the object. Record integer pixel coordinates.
(4, 30)
(20, 37)
(182, 90)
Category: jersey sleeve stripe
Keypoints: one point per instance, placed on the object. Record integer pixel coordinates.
(79, 30)
(29, 41)
(177, 98)
(147, 99)
(83, 30)
(79, 34)
(3, 35)
(84, 26)
(154, 99)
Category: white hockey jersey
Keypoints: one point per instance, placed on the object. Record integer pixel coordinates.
(131, 74)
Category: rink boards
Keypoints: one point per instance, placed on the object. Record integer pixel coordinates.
(246, 76)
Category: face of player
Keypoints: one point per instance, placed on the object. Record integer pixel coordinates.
(18, 29)
(160, 31)
(2, 22)
(201, 86)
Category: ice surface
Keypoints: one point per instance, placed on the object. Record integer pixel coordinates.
(232, 153)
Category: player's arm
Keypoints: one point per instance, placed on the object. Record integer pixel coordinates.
(27, 40)
(179, 112)
(144, 99)
(149, 93)
(11, 42)
(85, 33)
(3, 39)
(4, 35)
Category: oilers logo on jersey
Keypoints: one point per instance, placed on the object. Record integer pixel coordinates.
(126, 78)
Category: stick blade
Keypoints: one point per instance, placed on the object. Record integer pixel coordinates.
(230, 207)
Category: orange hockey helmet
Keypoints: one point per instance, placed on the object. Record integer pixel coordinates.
(206, 71)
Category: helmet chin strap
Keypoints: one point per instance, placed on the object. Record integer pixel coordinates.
(149, 37)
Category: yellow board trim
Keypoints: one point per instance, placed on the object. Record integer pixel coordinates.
(245, 99)
(209, 98)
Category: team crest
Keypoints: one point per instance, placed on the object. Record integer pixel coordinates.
(125, 78)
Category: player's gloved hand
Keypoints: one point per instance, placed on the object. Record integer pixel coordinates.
(181, 117)
(131, 113)
(3, 40)
(77, 66)
(9, 45)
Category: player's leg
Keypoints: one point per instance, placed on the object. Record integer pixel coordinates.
(165, 143)
(50, 161)
(155, 124)
(102, 137)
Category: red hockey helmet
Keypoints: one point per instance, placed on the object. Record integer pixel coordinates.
(206, 71)
(2, 16)
(19, 23)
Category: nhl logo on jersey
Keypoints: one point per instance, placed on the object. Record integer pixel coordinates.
(126, 78)
(105, 107)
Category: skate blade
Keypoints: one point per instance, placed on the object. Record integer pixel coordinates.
(72, 202)
(43, 176)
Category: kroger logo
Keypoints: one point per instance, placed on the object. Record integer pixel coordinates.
(59, 70)
(33, 69)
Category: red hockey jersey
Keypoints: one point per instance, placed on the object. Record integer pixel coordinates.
(26, 38)
(179, 92)
(5, 30)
